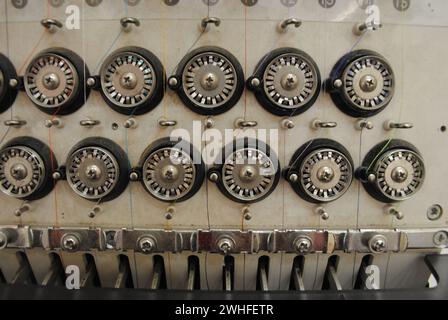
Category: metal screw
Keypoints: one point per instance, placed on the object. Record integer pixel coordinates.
(56, 175)
(364, 124)
(337, 83)
(378, 244)
(303, 245)
(440, 239)
(91, 82)
(209, 123)
(95, 211)
(255, 82)
(434, 212)
(394, 211)
(169, 214)
(293, 178)
(214, 177)
(371, 178)
(288, 124)
(55, 122)
(147, 244)
(225, 245)
(70, 242)
(323, 213)
(173, 82)
(131, 123)
(246, 213)
(133, 176)
(13, 83)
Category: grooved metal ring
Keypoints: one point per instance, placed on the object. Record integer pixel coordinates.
(62, 74)
(22, 171)
(410, 163)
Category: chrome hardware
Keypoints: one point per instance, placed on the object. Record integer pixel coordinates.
(390, 125)
(52, 25)
(318, 124)
(127, 23)
(240, 123)
(210, 20)
(164, 123)
(89, 123)
(283, 26)
(15, 123)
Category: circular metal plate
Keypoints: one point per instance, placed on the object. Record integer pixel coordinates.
(326, 174)
(248, 174)
(92, 172)
(368, 83)
(22, 171)
(51, 80)
(290, 81)
(128, 79)
(209, 80)
(169, 174)
(399, 174)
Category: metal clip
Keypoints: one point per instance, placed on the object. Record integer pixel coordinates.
(390, 125)
(89, 123)
(318, 124)
(283, 26)
(25, 207)
(15, 123)
(52, 25)
(240, 123)
(127, 22)
(361, 28)
(164, 123)
(209, 20)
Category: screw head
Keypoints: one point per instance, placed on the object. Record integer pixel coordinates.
(209, 123)
(91, 82)
(293, 178)
(70, 242)
(13, 83)
(255, 82)
(57, 175)
(337, 83)
(303, 245)
(440, 239)
(147, 244)
(173, 82)
(225, 245)
(169, 214)
(133, 176)
(378, 244)
(214, 177)
(434, 212)
(246, 213)
(288, 124)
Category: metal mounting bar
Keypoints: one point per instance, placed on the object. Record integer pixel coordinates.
(226, 242)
